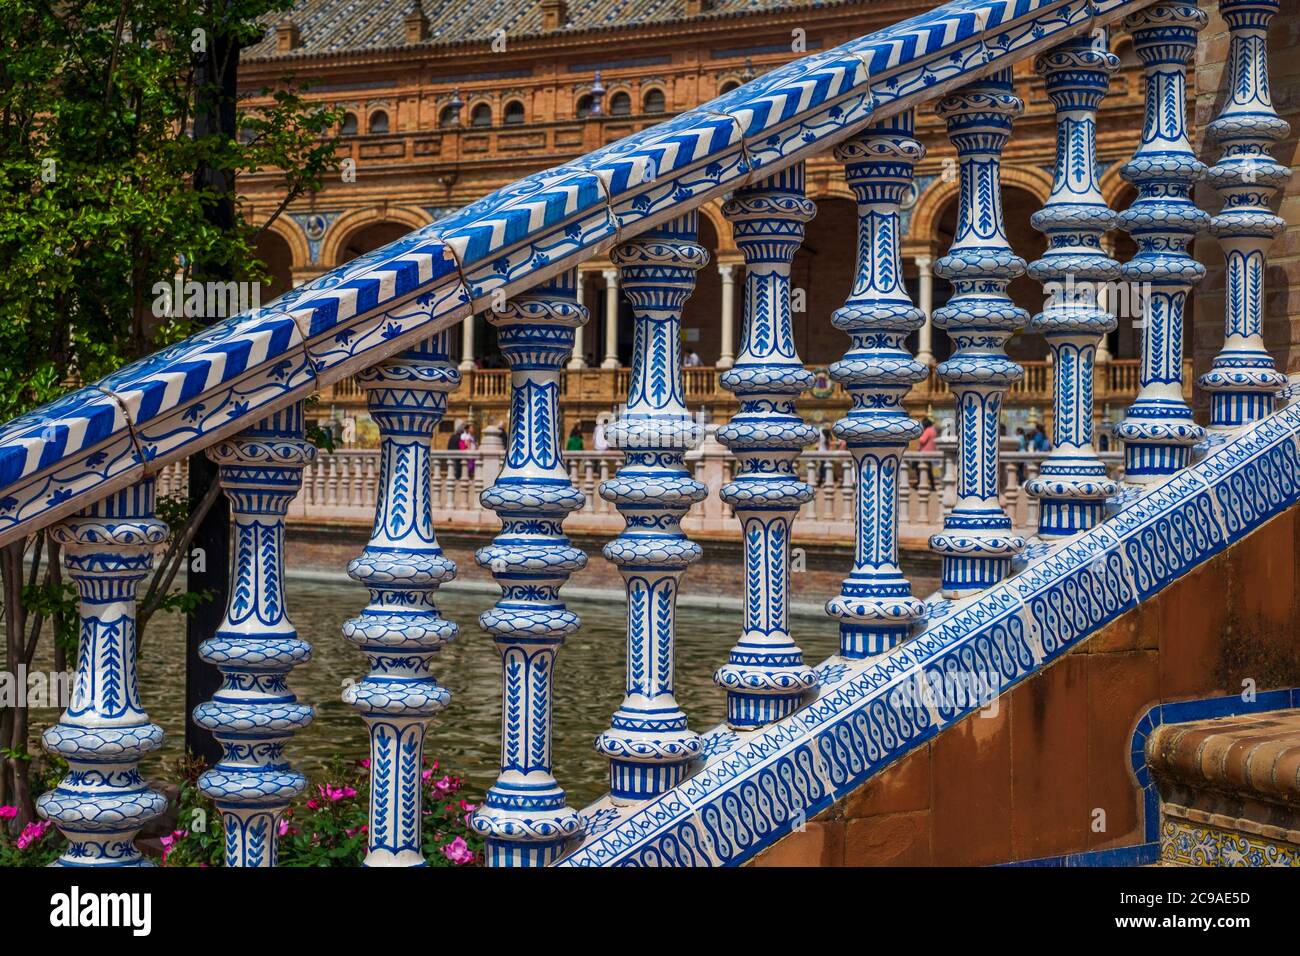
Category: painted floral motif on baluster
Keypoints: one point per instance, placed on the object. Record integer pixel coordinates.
(765, 675)
(977, 542)
(1157, 430)
(1072, 486)
(524, 818)
(254, 713)
(875, 606)
(103, 801)
(401, 628)
(1243, 381)
(648, 742)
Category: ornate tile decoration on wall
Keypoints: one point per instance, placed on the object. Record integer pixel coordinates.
(743, 799)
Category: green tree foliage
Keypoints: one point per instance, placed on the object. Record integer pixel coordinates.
(98, 206)
(97, 158)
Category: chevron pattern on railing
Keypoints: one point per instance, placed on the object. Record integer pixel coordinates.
(182, 399)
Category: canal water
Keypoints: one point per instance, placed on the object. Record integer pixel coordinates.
(466, 736)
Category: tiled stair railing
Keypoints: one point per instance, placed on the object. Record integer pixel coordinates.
(86, 465)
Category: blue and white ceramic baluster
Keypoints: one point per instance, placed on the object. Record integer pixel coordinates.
(648, 743)
(977, 542)
(401, 628)
(765, 676)
(103, 802)
(875, 606)
(524, 818)
(1072, 486)
(254, 712)
(1243, 380)
(1157, 429)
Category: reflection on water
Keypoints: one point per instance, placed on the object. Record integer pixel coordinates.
(466, 736)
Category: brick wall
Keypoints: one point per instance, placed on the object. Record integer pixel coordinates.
(1026, 782)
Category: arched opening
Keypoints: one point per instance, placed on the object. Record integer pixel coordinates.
(481, 115)
(822, 274)
(1027, 242)
(370, 237)
(586, 105)
(702, 317)
(513, 114)
(449, 117)
(728, 86)
(349, 127)
(1126, 341)
(620, 104)
(277, 258)
(653, 102)
(379, 122)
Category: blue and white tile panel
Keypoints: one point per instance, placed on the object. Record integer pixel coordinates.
(754, 787)
(212, 385)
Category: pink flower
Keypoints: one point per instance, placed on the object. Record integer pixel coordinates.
(364, 763)
(313, 805)
(444, 784)
(8, 813)
(31, 833)
(458, 851)
(169, 842)
(466, 805)
(426, 774)
(284, 828)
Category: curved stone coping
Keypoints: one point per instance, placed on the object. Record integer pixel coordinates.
(91, 442)
(752, 788)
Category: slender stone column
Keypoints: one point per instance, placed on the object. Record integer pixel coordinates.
(611, 319)
(579, 360)
(1072, 486)
(401, 628)
(925, 352)
(648, 743)
(254, 713)
(765, 675)
(977, 542)
(727, 354)
(1243, 379)
(875, 606)
(467, 343)
(524, 818)
(103, 801)
(1157, 429)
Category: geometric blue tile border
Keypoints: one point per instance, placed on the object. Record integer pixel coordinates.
(751, 788)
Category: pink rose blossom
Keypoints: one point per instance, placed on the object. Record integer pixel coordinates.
(458, 851)
(8, 813)
(31, 833)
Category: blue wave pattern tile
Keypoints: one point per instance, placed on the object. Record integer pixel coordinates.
(648, 743)
(743, 799)
(254, 713)
(977, 543)
(524, 818)
(229, 377)
(103, 801)
(401, 628)
(875, 606)
(1157, 429)
(1072, 486)
(1243, 380)
(765, 676)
